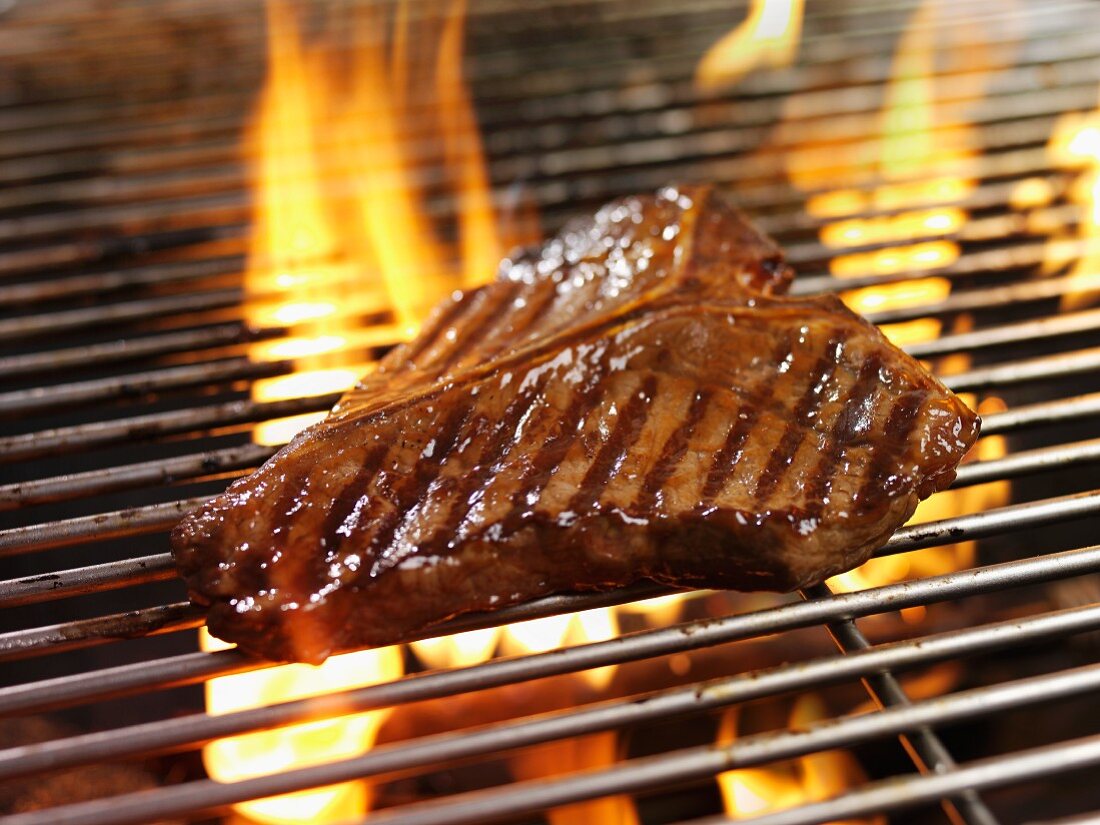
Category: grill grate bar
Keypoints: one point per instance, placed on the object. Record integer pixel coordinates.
(18, 402)
(561, 162)
(156, 567)
(102, 283)
(84, 580)
(904, 792)
(194, 420)
(72, 320)
(58, 638)
(1023, 462)
(227, 370)
(597, 86)
(83, 529)
(634, 776)
(640, 775)
(22, 643)
(247, 457)
(1062, 365)
(187, 341)
(923, 745)
(1008, 334)
(400, 759)
(129, 476)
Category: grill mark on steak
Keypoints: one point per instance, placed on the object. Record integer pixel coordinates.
(628, 426)
(562, 435)
(783, 453)
(472, 486)
(309, 554)
(749, 410)
(347, 499)
(535, 310)
(674, 449)
(413, 486)
(841, 434)
(899, 427)
(454, 313)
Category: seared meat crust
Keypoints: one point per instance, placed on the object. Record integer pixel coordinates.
(633, 401)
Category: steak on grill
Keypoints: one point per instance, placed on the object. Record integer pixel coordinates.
(633, 401)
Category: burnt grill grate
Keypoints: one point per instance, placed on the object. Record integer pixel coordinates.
(125, 375)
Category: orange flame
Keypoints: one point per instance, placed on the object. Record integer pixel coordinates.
(311, 743)
(1075, 144)
(749, 792)
(341, 226)
(340, 232)
(918, 164)
(578, 753)
(769, 36)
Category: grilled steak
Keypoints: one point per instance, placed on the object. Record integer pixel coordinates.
(633, 401)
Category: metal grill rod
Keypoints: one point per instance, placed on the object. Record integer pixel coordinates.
(1062, 365)
(905, 792)
(193, 420)
(634, 776)
(864, 42)
(103, 283)
(130, 476)
(83, 529)
(198, 420)
(192, 731)
(566, 161)
(596, 82)
(180, 669)
(924, 746)
(247, 457)
(119, 351)
(152, 568)
(1023, 462)
(240, 367)
(690, 765)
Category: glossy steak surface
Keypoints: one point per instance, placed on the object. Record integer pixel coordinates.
(634, 400)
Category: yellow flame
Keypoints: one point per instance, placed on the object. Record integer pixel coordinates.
(458, 650)
(769, 36)
(907, 219)
(552, 632)
(748, 792)
(341, 229)
(341, 232)
(311, 743)
(566, 756)
(1075, 144)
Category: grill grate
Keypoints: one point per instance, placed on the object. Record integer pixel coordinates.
(124, 381)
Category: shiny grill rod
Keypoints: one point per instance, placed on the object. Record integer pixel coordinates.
(658, 771)
(20, 494)
(658, 151)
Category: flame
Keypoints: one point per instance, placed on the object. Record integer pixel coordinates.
(267, 752)
(1075, 144)
(911, 151)
(769, 36)
(341, 233)
(906, 221)
(551, 632)
(578, 753)
(748, 792)
(341, 226)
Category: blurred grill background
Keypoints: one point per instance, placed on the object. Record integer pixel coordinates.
(213, 217)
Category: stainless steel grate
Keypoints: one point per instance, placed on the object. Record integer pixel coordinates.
(124, 402)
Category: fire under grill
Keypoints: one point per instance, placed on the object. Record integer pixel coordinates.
(129, 361)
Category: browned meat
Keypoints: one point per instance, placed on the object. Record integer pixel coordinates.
(631, 402)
